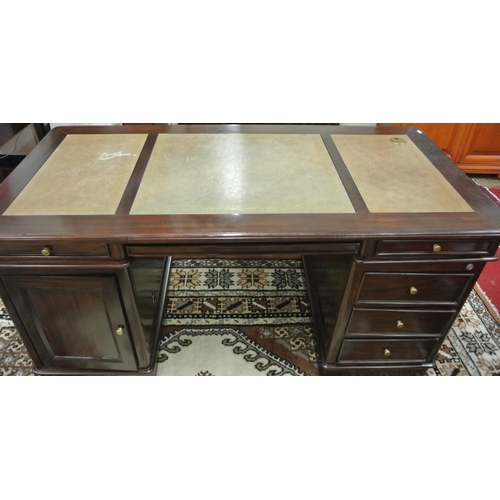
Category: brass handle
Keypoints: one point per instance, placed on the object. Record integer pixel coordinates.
(154, 295)
(387, 353)
(436, 247)
(119, 331)
(413, 290)
(399, 324)
(46, 251)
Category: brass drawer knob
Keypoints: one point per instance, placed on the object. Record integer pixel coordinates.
(46, 251)
(387, 353)
(119, 331)
(399, 324)
(436, 247)
(413, 290)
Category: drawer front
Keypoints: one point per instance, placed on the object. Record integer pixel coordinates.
(436, 248)
(413, 287)
(398, 322)
(53, 249)
(242, 250)
(386, 351)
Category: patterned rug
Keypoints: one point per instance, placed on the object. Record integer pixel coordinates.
(489, 281)
(14, 358)
(237, 317)
(252, 317)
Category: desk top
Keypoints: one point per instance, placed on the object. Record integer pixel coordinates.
(257, 183)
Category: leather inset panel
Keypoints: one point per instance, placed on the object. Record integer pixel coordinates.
(86, 175)
(240, 174)
(396, 178)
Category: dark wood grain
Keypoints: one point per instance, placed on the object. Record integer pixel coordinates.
(369, 351)
(329, 281)
(354, 195)
(136, 177)
(425, 248)
(250, 228)
(359, 266)
(395, 287)
(84, 337)
(378, 322)
(56, 249)
(243, 250)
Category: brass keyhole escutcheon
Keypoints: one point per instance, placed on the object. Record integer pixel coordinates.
(387, 353)
(399, 324)
(436, 247)
(46, 251)
(397, 140)
(413, 290)
(120, 330)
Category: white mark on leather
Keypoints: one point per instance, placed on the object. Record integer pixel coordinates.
(109, 156)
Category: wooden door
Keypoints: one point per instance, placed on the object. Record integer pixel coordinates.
(74, 322)
(479, 150)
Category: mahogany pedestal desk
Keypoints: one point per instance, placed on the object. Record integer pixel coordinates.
(392, 234)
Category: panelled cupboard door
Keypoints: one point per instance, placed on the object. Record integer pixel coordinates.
(474, 147)
(480, 150)
(90, 334)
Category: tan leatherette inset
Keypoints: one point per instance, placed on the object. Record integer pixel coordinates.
(86, 175)
(396, 177)
(240, 174)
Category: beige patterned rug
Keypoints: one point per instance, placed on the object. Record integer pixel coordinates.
(252, 317)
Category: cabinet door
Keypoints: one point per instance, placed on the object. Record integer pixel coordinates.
(74, 322)
(480, 148)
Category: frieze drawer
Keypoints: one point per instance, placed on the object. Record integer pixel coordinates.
(436, 248)
(386, 351)
(413, 287)
(53, 249)
(399, 322)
